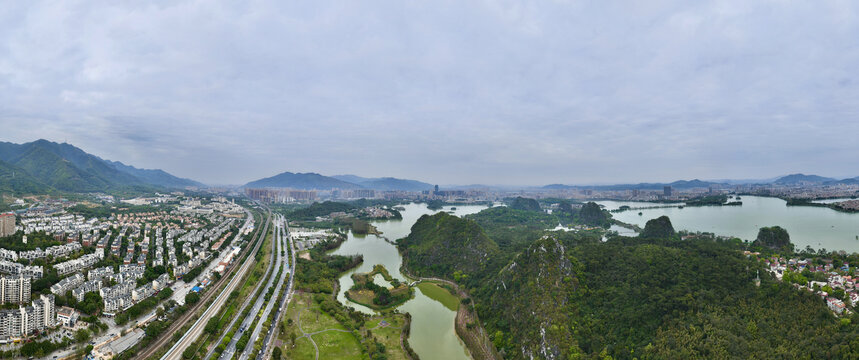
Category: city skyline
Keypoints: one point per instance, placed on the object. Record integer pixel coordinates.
(519, 94)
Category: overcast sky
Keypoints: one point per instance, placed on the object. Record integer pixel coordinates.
(450, 92)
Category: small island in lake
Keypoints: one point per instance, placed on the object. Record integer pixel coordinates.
(366, 292)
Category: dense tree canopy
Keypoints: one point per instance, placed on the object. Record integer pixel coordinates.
(774, 237)
(658, 228)
(593, 215)
(520, 203)
(320, 209)
(443, 244)
(651, 297)
(509, 227)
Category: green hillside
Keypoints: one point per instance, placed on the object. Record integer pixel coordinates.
(540, 282)
(520, 203)
(155, 176)
(658, 228)
(63, 174)
(443, 245)
(511, 228)
(592, 214)
(14, 180)
(43, 165)
(568, 295)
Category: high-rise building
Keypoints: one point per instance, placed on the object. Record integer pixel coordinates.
(7, 224)
(667, 191)
(23, 321)
(14, 289)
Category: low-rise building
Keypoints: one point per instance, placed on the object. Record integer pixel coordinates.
(99, 273)
(90, 286)
(67, 316)
(67, 284)
(78, 264)
(13, 268)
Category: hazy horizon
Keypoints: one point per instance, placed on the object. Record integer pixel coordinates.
(502, 93)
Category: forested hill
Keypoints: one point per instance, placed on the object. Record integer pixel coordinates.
(443, 245)
(42, 166)
(528, 204)
(542, 281)
(568, 295)
(156, 177)
(652, 299)
(512, 228)
(15, 180)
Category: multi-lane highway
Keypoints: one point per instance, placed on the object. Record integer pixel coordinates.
(268, 344)
(277, 282)
(247, 302)
(273, 300)
(175, 352)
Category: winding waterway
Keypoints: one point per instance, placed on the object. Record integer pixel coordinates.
(432, 332)
(818, 227)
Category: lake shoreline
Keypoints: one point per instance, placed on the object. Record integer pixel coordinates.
(433, 333)
(813, 226)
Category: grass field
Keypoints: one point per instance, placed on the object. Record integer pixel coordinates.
(440, 294)
(332, 344)
(390, 335)
(303, 350)
(337, 345)
(313, 319)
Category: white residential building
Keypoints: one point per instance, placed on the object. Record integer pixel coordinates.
(14, 289)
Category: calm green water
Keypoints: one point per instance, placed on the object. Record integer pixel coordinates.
(432, 334)
(813, 226)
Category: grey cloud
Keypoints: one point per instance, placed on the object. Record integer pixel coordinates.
(502, 92)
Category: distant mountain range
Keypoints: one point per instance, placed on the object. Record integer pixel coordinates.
(42, 166)
(680, 184)
(306, 181)
(797, 179)
(314, 181)
(787, 180)
(386, 183)
(156, 176)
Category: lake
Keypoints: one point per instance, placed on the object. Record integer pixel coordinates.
(817, 227)
(432, 332)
